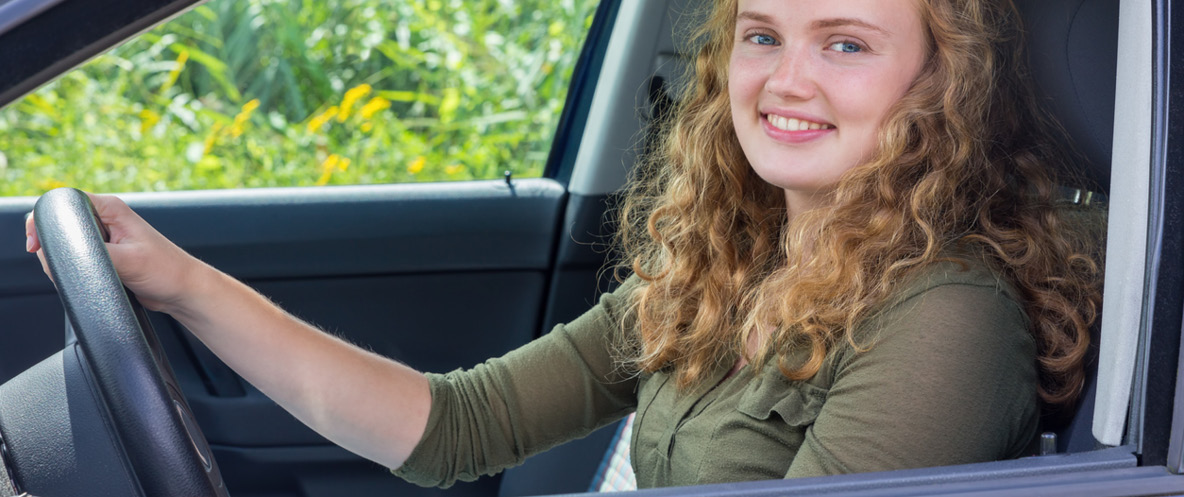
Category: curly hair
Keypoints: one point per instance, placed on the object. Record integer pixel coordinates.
(967, 163)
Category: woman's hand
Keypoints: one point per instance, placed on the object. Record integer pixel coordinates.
(154, 268)
(369, 404)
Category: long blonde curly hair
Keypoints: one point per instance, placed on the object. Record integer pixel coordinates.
(966, 159)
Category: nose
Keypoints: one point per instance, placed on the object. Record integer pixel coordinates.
(792, 76)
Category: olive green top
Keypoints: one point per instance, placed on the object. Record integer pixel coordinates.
(949, 378)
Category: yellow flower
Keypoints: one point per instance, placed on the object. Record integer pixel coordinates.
(453, 170)
(417, 165)
(236, 129)
(374, 106)
(148, 119)
(42, 104)
(212, 138)
(351, 97)
(317, 122)
(367, 127)
(178, 66)
(332, 163)
(250, 107)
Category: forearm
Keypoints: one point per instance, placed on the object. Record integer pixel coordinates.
(366, 403)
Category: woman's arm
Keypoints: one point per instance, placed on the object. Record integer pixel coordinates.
(949, 379)
(364, 402)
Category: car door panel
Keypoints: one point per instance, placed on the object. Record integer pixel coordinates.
(438, 276)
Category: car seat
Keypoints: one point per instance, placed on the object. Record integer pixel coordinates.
(1073, 47)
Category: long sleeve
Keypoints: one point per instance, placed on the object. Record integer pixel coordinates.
(949, 379)
(557, 388)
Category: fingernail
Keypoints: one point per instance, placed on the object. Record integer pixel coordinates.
(28, 243)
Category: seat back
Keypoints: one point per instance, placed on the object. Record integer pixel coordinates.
(1073, 47)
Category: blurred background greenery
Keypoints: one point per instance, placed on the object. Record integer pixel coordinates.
(257, 93)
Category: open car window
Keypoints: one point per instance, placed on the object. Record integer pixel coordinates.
(264, 93)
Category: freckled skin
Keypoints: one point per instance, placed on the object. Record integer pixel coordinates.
(843, 63)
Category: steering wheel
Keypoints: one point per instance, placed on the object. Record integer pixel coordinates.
(148, 420)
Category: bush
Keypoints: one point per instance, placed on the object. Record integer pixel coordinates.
(255, 93)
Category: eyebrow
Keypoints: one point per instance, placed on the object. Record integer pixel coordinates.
(754, 16)
(819, 24)
(846, 21)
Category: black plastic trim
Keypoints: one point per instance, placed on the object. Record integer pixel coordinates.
(59, 437)
(1104, 472)
(580, 273)
(286, 233)
(16, 12)
(568, 134)
(83, 29)
(1165, 289)
(1152, 481)
(1175, 441)
(1175, 460)
(326, 471)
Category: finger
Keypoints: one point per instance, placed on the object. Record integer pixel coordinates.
(114, 213)
(32, 241)
(109, 207)
(44, 265)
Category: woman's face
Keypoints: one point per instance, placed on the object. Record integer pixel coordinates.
(811, 81)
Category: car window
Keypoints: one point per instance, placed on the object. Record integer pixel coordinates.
(273, 93)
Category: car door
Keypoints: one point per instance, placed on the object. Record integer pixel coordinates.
(437, 274)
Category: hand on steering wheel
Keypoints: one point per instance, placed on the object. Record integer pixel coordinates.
(152, 422)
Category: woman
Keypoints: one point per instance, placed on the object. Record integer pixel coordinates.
(846, 254)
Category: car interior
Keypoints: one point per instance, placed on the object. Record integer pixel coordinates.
(444, 275)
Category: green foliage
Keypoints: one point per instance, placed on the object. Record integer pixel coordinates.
(255, 93)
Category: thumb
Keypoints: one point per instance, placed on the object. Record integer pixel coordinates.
(32, 241)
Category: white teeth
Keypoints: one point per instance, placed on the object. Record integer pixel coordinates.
(790, 124)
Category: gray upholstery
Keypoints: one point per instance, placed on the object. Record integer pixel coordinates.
(1073, 45)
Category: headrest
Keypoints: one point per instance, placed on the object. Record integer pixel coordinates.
(1073, 46)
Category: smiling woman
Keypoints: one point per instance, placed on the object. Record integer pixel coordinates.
(827, 165)
(845, 188)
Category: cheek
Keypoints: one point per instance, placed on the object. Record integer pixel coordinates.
(744, 79)
(859, 96)
(864, 100)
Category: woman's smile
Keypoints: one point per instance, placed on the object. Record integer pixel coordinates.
(795, 128)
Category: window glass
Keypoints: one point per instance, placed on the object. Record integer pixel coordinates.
(255, 93)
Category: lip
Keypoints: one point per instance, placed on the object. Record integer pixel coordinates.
(794, 137)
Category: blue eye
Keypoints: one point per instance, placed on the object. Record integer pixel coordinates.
(846, 47)
(761, 39)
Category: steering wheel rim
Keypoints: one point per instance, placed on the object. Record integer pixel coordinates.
(155, 428)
